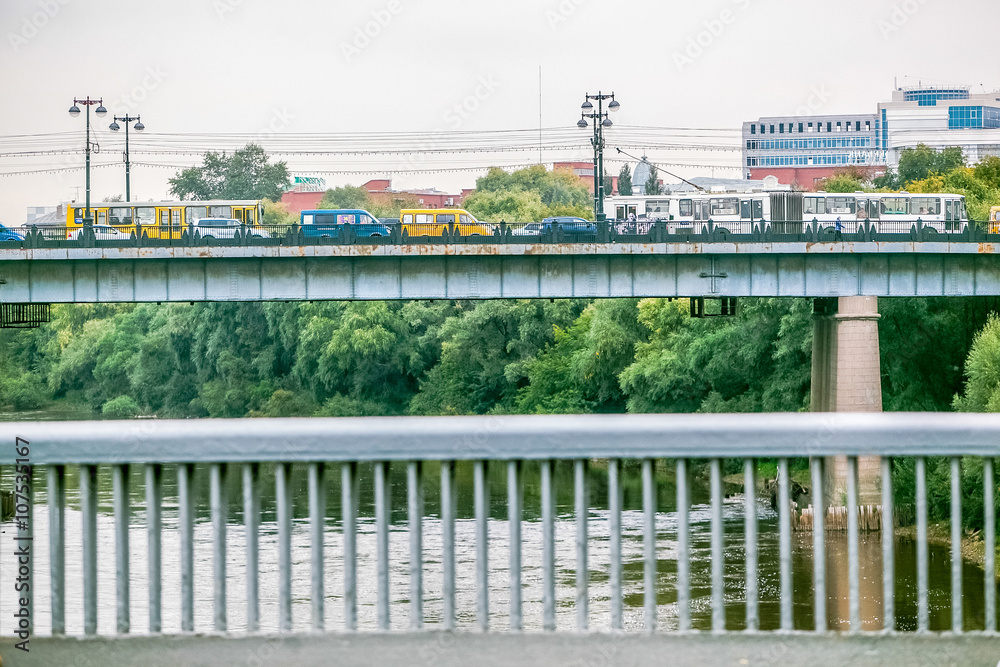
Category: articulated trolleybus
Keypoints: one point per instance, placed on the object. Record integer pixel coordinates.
(789, 212)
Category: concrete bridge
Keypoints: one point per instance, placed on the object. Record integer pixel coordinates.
(494, 271)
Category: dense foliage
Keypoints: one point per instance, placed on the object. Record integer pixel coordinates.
(246, 174)
(511, 356)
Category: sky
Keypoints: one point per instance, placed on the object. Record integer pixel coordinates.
(314, 75)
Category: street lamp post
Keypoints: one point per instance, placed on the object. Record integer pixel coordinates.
(139, 127)
(74, 111)
(601, 120)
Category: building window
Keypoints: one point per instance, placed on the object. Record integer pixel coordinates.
(772, 129)
(753, 129)
(800, 128)
(829, 126)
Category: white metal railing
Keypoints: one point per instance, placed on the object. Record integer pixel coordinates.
(320, 444)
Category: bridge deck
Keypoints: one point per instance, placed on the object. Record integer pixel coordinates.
(489, 271)
(442, 649)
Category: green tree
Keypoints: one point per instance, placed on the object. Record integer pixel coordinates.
(609, 185)
(840, 182)
(987, 171)
(918, 163)
(246, 174)
(982, 367)
(653, 186)
(625, 180)
(888, 180)
(346, 196)
(559, 187)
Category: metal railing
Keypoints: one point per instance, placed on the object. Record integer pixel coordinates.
(320, 444)
(609, 232)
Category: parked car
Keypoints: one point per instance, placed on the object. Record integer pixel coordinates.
(7, 234)
(569, 225)
(226, 228)
(102, 233)
(329, 223)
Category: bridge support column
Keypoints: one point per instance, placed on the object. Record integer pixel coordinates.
(846, 377)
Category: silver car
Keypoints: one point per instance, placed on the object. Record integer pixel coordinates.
(225, 228)
(102, 233)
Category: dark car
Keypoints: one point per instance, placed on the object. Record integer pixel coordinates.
(570, 225)
(7, 234)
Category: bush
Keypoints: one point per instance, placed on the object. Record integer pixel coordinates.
(122, 407)
(25, 392)
(344, 406)
(284, 403)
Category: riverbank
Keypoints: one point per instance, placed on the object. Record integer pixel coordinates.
(939, 534)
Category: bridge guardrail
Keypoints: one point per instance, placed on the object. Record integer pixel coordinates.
(809, 231)
(509, 441)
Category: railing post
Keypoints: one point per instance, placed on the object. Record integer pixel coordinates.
(785, 545)
(448, 500)
(481, 502)
(415, 510)
(251, 519)
(582, 573)
(683, 548)
(349, 505)
(750, 542)
(615, 541)
(548, 547)
(382, 505)
(283, 491)
(154, 500)
(57, 546)
(317, 526)
(649, 544)
(219, 503)
(185, 502)
(88, 505)
(120, 490)
(514, 514)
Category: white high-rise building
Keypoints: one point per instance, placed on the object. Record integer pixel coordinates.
(940, 117)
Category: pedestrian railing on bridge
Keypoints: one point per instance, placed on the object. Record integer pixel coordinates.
(337, 447)
(515, 233)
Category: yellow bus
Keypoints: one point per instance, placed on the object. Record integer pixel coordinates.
(995, 220)
(437, 221)
(163, 219)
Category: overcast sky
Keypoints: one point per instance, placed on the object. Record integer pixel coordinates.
(265, 68)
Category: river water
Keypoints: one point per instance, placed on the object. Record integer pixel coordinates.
(837, 609)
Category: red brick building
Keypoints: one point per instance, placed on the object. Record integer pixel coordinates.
(380, 190)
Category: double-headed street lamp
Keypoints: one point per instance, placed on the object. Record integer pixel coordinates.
(74, 111)
(139, 127)
(601, 120)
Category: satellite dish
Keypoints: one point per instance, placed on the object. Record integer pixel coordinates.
(770, 181)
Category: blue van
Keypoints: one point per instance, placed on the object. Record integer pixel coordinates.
(329, 222)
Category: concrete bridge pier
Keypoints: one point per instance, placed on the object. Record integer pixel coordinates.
(846, 377)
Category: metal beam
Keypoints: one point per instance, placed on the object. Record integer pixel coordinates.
(82, 275)
(507, 437)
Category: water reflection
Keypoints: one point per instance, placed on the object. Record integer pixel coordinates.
(837, 609)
